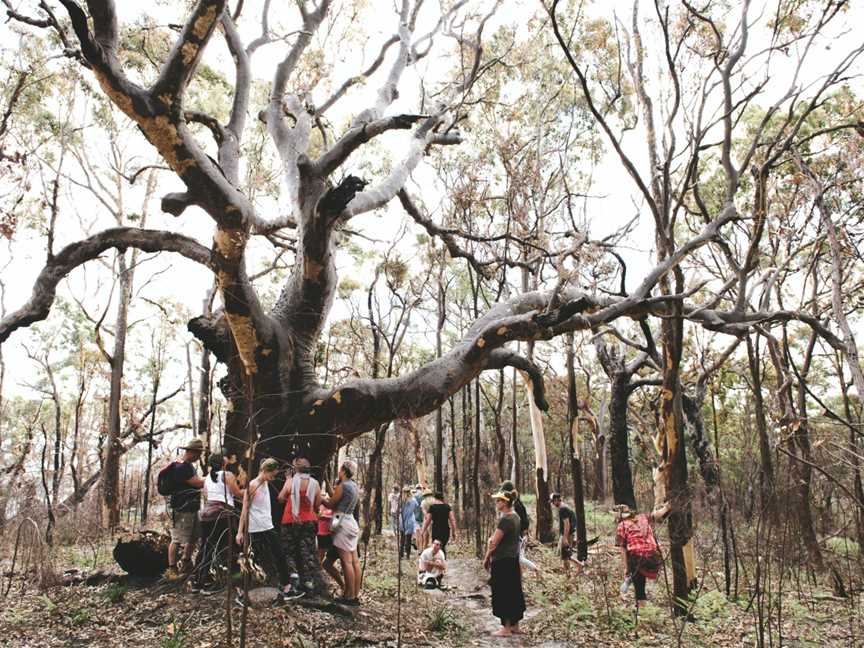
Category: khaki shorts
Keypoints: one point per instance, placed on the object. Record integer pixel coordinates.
(185, 527)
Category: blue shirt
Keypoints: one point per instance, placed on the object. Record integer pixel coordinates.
(408, 524)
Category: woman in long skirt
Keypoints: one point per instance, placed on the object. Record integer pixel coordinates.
(502, 560)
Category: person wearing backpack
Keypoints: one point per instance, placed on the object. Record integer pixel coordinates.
(640, 550)
(181, 482)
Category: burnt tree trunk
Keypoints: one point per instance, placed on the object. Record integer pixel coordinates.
(575, 457)
(111, 462)
(620, 372)
(767, 483)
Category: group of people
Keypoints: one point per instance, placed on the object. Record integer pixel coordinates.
(316, 527)
(421, 518)
(505, 556)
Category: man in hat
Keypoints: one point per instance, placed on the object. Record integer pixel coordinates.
(566, 529)
(185, 503)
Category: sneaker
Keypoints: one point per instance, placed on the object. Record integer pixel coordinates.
(292, 593)
(239, 600)
(349, 602)
(193, 587)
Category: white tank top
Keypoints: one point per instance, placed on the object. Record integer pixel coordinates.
(217, 491)
(260, 517)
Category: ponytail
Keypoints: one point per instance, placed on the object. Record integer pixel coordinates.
(215, 465)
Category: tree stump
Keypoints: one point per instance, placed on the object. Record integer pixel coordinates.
(143, 554)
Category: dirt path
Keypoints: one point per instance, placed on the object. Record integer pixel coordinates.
(467, 589)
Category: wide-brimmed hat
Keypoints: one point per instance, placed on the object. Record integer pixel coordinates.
(622, 511)
(194, 445)
(501, 495)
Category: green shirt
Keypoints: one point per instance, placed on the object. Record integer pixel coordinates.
(509, 525)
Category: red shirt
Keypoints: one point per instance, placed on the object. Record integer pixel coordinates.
(325, 519)
(636, 536)
(306, 512)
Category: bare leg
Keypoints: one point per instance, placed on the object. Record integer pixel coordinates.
(345, 557)
(330, 568)
(172, 554)
(355, 561)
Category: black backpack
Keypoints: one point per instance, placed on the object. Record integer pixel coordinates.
(166, 484)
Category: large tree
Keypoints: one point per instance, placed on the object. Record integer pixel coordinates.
(276, 397)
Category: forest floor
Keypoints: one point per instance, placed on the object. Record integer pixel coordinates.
(585, 611)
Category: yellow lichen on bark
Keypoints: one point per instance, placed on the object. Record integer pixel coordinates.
(230, 243)
(161, 132)
(245, 338)
(311, 269)
(189, 51)
(671, 435)
(690, 563)
(203, 23)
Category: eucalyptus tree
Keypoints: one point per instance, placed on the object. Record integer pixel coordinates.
(691, 73)
(277, 397)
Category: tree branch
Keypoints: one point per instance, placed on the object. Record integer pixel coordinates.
(75, 254)
(188, 49)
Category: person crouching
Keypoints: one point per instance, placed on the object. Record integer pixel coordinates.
(431, 566)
